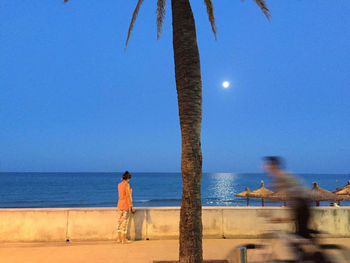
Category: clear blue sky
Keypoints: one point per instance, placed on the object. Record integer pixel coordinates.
(71, 98)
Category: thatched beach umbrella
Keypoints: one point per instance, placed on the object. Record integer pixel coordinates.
(337, 189)
(279, 196)
(244, 194)
(343, 192)
(318, 194)
(261, 192)
(342, 197)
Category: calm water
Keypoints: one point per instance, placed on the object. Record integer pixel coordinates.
(18, 190)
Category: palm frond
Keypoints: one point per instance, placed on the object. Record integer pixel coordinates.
(133, 19)
(160, 16)
(65, 1)
(210, 11)
(263, 7)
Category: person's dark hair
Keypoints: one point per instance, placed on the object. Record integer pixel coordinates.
(126, 175)
(274, 160)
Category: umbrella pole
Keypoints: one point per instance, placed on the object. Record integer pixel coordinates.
(247, 201)
(284, 203)
(317, 203)
(262, 202)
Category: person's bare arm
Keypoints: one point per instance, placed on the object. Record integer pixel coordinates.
(128, 195)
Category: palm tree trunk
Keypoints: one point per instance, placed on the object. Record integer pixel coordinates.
(189, 92)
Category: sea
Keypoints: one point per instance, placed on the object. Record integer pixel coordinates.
(43, 190)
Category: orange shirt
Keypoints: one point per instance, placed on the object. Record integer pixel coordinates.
(123, 202)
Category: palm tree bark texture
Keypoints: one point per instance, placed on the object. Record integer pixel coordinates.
(189, 92)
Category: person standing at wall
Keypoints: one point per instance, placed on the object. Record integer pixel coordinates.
(125, 207)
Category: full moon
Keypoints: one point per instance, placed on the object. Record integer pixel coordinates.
(226, 84)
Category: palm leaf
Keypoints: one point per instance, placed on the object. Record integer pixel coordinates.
(210, 11)
(263, 7)
(133, 19)
(160, 16)
(65, 1)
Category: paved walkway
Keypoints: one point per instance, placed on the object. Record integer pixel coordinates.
(108, 252)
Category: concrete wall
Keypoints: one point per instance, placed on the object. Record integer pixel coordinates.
(92, 224)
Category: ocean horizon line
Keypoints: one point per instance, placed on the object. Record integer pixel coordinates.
(157, 172)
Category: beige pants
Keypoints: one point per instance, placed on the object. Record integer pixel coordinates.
(123, 220)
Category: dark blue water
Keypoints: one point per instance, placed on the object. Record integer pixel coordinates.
(32, 190)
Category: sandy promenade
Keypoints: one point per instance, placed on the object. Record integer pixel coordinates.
(108, 252)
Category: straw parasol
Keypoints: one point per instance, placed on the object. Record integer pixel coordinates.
(342, 197)
(280, 196)
(337, 189)
(244, 194)
(261, 192)
(343, 192)
(318, 194)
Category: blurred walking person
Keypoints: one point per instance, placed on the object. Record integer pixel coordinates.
(125, 207)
